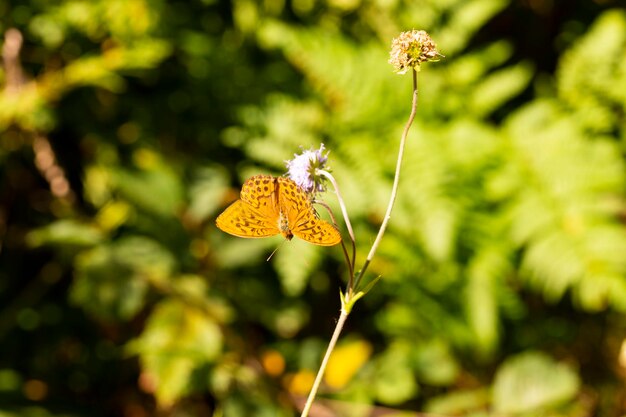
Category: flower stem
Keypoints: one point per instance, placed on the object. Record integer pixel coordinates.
(320, 373)
(343, 245)
(350, 297)
(346, 219)
(394, 188)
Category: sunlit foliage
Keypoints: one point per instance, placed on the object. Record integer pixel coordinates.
(132, 124)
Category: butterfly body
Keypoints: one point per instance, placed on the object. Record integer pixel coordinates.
(283, 226)
(275, 205)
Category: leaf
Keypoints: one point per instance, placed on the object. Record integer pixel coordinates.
(532, 381)
(435, 363)
(177, 340)
(486, 268)
(295, 261)
(234, 252)
(562, 213)
(145, 256)
(113, 214)
(467, 18)
(394, 382)
(499, 87)
(90, 70)
(106, 288)
(333, 66)
(591, 76)
(67, 232)
(154, 187)
(458, 402)
(111, 281)
(206, 192)
(469, 69)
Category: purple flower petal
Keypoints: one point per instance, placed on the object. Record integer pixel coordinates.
(303, 169)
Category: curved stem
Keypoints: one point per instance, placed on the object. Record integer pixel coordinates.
(394, 188)
(343, 245)
(346, 219)
(348, 300)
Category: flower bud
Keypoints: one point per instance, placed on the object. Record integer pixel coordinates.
(410, 49)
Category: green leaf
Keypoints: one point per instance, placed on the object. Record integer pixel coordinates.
(91, 70)
(206, 192)
(177, 340)
(533, 381)
(394, 382)
(486, 268)
(67, 232)
(499, 87)
(156, 189)
(562, 213)
(106, 288)
(111, 281)
(467, 18)
(295, 261)
(435, 363)
(458, 402)
(591, 76)
(145, 256)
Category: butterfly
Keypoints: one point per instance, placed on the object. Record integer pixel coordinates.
(276, 205)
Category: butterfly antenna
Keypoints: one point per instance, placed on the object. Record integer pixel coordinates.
(275, 250)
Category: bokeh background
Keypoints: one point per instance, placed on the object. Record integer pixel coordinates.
(126, 126)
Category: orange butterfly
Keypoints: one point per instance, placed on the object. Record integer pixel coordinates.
(272, 205)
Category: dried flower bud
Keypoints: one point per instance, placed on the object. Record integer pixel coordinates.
(412, 48)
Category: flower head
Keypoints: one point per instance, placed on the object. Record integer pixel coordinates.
(410, 49)
(304, 169)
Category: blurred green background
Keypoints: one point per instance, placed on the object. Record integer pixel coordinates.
(126, 126)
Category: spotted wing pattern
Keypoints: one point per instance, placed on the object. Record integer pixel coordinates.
(301, 216)
(271, 206)
(257, 213)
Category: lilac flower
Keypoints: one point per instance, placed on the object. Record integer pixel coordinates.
(304, 169)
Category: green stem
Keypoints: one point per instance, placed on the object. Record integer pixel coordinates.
(343, 245)
(320, 373)
(346, 219)
(394, 188)
(348, 300)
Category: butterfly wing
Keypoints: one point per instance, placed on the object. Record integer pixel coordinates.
(240, 219)
(260, 192)
(256, 214)
(301, 216)
(316, 231)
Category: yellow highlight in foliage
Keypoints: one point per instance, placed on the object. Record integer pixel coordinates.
(113, 215)
(301, 382)
(345, 361)
(129, 132)
(273, 362)
(145, 158)
(199, 248)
